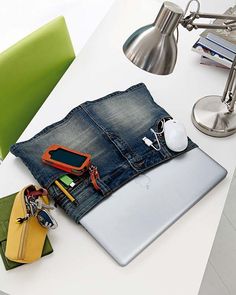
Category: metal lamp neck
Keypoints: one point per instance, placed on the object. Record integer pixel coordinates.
(168, 18)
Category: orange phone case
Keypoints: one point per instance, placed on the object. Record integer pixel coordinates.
(46, 157)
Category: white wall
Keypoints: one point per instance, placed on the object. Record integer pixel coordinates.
(20, 17)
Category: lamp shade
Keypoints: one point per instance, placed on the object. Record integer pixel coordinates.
(153, 48)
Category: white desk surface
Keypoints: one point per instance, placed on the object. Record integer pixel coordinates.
(175, 262)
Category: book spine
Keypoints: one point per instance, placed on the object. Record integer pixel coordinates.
(216, 48)
(222, 42)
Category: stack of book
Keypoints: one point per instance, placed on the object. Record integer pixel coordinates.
(217, 47)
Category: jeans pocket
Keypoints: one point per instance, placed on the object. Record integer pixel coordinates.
(159, 138)
(85, 195)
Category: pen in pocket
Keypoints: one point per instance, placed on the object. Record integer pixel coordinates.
(66, 193)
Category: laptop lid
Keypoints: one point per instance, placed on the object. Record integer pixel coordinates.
(140, 211)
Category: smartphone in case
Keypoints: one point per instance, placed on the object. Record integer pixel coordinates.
(66, 159)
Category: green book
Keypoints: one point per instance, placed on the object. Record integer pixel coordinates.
(6, 204)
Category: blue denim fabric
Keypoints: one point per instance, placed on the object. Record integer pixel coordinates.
(111, 130)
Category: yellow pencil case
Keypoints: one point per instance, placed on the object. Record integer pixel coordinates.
(25, 240)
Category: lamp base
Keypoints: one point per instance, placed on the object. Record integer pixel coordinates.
(211, 116)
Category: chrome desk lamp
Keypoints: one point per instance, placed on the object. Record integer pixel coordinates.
(153, 48)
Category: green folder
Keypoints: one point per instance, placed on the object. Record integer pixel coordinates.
(6, 204)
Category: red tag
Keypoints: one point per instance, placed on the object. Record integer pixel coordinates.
(94, 176)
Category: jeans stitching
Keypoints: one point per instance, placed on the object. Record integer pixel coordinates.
(104, 131)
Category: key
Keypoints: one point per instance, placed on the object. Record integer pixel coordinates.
(42, 205)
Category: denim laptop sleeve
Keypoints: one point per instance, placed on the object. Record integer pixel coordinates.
(111, 130)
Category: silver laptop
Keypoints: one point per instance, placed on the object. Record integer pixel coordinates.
(136, 214)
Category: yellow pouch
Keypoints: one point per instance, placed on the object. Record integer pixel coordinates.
(25, 241)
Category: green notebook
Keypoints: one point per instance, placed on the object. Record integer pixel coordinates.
(6, 204)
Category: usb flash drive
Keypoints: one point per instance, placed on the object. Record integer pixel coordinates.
(65, 179)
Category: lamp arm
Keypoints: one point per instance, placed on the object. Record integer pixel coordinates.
(229, 95)
(188, 21)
